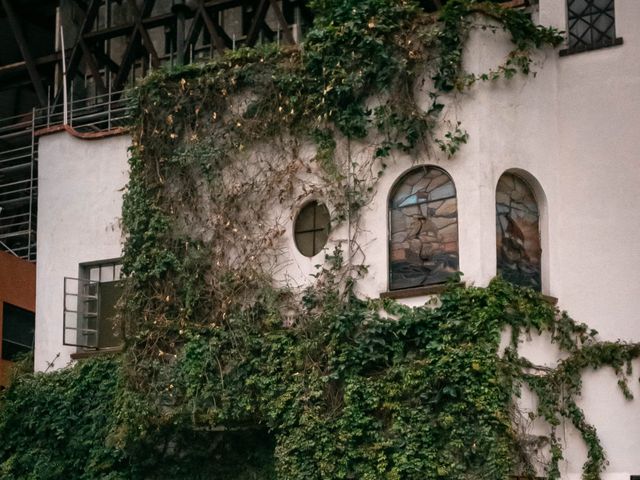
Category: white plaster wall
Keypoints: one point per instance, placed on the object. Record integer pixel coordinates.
(572, 127)
(79, 207)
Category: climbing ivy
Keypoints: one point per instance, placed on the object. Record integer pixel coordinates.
(230, 374)
(357, 389)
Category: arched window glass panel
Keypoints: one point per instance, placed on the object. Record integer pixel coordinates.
(518, 232)
(423, 227)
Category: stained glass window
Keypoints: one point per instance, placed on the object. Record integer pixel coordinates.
(311, 229)
(423, 227)
(591, 24)
(518, 232)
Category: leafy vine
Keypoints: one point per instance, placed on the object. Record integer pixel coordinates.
(227, 372)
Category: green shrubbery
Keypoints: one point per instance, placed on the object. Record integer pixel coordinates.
(347, 393)
(227, 376)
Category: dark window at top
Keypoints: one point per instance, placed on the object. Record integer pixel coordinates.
(18, 326)
(433, 5)
(591, 24)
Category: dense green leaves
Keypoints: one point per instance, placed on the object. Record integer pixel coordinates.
(348, 393)
(227, 376)
(54, 425)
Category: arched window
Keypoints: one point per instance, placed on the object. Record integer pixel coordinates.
(518, 232)
(423, 228)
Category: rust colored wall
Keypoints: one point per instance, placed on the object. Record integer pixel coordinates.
(17, 287)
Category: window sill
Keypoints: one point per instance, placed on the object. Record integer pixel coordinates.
(417, 291)
(437, 289)
(84, 354)
(574, 50)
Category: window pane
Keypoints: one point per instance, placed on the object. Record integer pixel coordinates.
(94, 274)
(320, 241)
(71, 320)
(517, 232)
(304, 242)
(304, 222)
(423, 229)
(591, 23)
(10, 351)
(311, 229)
(106, 273)
(322, 217)
(110, 293)
(18, 327)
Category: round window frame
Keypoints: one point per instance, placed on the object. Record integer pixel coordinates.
(316, 249)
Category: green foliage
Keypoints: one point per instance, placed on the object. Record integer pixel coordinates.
(356, 389)
(226, 375)
(52, 424)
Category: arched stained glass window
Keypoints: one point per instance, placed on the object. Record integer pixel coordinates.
(518, 232)
(423, 227)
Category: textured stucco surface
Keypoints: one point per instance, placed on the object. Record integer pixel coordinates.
(79, 207)
(570, 131)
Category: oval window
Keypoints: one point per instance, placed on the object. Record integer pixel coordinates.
(311, 228)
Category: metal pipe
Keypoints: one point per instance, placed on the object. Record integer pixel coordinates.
(31, 180)
(109, 109)
(180, 10)
(64, 78)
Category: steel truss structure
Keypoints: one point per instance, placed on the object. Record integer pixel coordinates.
(106, 46)
(114, 43)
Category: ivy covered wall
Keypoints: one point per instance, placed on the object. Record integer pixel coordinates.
(228, 374)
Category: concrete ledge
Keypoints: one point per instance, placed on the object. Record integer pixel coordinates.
(417, 291)
(84, 354)
(84, 136)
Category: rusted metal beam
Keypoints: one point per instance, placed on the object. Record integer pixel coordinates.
(258, 19)
(26, 53)
(146, 39)
(192, 37)
(286, 33)
(130, 52)
(162, 20)
(105, 59)
(77, 52)
(38, 61)
(227, 39)
(91, 63)
(82, 4)
(211, 27)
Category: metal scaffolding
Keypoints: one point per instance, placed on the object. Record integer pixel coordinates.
(18, 186)
(111, 44)
(19, 161)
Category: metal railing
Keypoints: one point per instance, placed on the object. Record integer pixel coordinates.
(19, 160)
(93, 114)
(18, 186)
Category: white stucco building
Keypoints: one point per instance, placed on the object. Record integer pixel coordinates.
(569, 133)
